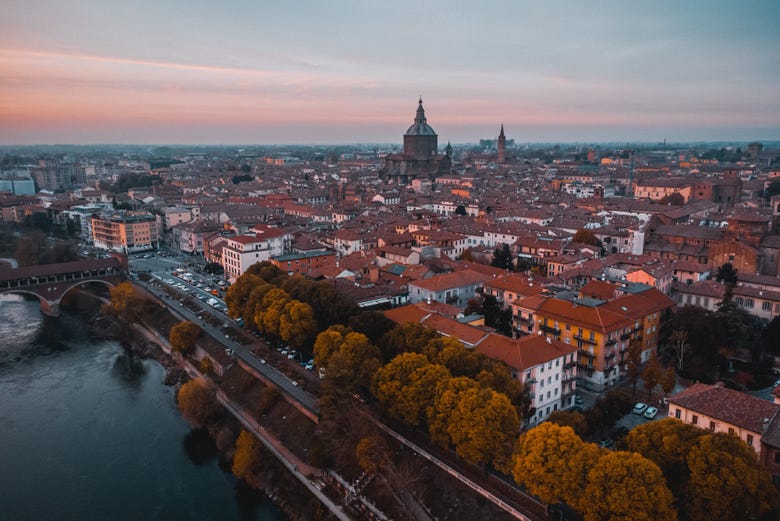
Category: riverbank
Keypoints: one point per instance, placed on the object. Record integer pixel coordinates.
(274, 480)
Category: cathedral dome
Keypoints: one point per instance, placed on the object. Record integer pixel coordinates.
(420, 127)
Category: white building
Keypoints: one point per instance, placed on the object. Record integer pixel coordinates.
(546, 367)
(243, 251)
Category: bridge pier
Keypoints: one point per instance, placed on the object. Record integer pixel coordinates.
(50, 308)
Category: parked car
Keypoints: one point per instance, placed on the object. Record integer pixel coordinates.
(651, 412)
(640, 408)
(579, 400)
(620, 432)
(605, 442)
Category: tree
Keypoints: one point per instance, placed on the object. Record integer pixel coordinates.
(248, 457)
(726, 273)
(483, 428)
(502, 258)
(297, 324)
(771, 336)
(460, 210)
(446, 399)
(585, 236)
(666, 442)
(183, 336)
(772, 189)
(552, 462)
(372, 453)
(354, 364)
(214, 268)
(328, 342)
(637, 490)
(389, 381)
(634, 362)
(30, 247)
(679, 339)
(197, 401)
(405, 338)
(651, 376)
(373, 324)
(572, 419)
(668, 380)
(238, 293)
(452, 354)
(268, 315)
(126, 303)
(726, 478)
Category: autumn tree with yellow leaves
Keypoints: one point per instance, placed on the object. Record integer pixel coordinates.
(183, 336)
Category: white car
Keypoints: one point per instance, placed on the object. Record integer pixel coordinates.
(640, 408)
(651, 412)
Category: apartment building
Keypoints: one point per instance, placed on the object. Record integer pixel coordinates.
(125, 232)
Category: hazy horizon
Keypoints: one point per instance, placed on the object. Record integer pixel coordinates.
(103, 71)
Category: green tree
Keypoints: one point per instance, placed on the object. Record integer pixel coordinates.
(197, 401)
(637, 490)
(483, 428)
(183, 336)
(248, 457)
(726, 478)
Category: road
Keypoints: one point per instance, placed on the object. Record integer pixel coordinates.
(310, 402)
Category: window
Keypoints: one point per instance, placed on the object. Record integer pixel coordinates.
(677, 413)
(766, 306)
(712, 425)
(731, 430)
(740, 301)
(568, 327)
(777, 457)
(750, 439)
(592, 335)
(695, 420)
(749, 303)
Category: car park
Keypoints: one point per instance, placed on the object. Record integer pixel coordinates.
(640, 408)
(651, 412)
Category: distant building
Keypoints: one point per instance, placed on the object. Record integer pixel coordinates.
(501, 155)
(125, 232)
(420, 156)
(17, 183)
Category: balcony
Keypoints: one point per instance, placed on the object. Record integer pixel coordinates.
(611, 342)
(570, 378)
(609, 356)
(586, 353)
(524, 320)
(591, 341)
(549, 329)
(625, 336)
(569, 365)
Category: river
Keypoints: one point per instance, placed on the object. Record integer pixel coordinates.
(88, 432)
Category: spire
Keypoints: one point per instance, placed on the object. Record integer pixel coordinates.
(501, 134)
(420, 118)
(448, 150)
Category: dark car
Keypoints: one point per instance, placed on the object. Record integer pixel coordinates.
(619, 432)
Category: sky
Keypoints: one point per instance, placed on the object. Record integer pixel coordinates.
(351, 71)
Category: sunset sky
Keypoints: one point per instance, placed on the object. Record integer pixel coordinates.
(338, 71)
